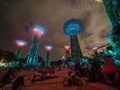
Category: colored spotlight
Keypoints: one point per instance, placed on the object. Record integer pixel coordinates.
(72, 26)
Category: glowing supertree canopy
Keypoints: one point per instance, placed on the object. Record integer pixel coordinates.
(38, 30)
(20, 43)
(67, 51)
(95, 48)
(67, 47)
(48, 47)
(32, 58)
(72, 26)
(47, 61)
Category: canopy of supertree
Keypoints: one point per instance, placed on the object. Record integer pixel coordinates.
(20, 43)
(72, 26)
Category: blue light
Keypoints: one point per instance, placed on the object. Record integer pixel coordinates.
(38, 30)
(22, 41)
(48, 47)
(95, 47)
(72, 26)
(71, 63)
(117, 63)
(84, 60)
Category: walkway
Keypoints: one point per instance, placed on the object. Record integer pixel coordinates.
(57, 84)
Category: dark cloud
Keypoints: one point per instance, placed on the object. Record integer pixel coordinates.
(17, 17)
(103, 34)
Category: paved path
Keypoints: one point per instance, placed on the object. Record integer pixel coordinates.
(57, 84)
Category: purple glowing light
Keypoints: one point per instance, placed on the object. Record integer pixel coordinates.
(20, 43)
(48, 47)
(63, 57)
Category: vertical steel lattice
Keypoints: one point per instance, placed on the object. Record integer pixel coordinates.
(76, 53)
(47, 61)
(32, 58)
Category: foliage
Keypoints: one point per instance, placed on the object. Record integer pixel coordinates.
(8, 56)
(56, 63)
(114, 38)
(117, 54)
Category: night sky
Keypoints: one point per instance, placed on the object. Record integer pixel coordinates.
(18, 16)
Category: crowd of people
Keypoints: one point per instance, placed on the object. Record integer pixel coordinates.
(78, 74)
(92, 72)
(22, 77)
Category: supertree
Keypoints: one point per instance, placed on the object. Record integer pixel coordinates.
(72, 27)
(32, 57)
(112, 8)
(20, 44)
(67, 51)
(18, 53)
(47, 61)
